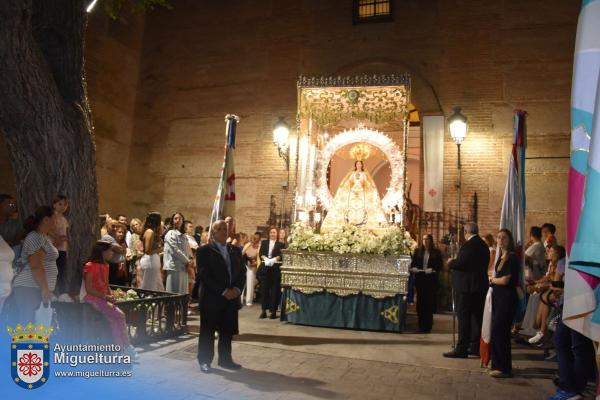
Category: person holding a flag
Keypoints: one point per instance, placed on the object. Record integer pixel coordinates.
(222, 277)
(504, 285)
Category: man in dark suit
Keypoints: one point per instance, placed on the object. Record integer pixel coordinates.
(221, 277)
(269, 273)
(470, 284)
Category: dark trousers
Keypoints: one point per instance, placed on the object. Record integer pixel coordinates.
(575, 354)
(504, 306)
(223, 321)
(206, 346)
(469, 313)
(426, 291)
(410, 296)
(61, 278)
(270, 287)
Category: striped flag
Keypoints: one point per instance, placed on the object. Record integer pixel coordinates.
(582, 275)
(512, 218)
(225, 200)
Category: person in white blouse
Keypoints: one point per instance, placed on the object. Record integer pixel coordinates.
(7, 256)
(269, 273)
(177, 256)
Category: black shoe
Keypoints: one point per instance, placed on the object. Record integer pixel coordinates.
(273, 316)
(230, 365)
(455, 354)
(263, 315)
(206, 368)
(473, 353)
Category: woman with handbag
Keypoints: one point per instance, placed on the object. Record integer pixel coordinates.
(36, 280)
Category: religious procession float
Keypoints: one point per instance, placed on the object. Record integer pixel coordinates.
(349, 254)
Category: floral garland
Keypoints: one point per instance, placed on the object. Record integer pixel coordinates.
(351, 239)
(393, 196)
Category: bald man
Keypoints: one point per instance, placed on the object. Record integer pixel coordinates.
(221, 277)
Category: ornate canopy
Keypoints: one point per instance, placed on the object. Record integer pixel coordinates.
(377, 99)
(336, 111)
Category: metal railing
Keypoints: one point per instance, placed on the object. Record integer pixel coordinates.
(152, 317)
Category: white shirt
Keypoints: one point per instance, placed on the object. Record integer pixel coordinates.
(225, 254)
(537, 252)
(425, 259)
(7, 256)
(60, 229)
(128, 240)
(271, 247)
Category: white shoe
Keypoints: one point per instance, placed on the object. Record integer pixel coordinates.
(539, 336)
(248, 304)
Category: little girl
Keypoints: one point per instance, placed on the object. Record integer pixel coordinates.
(59, 236)
(99, 296)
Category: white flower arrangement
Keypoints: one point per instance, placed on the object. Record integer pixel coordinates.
(352, 239)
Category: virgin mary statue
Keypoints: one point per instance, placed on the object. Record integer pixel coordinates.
(356, 202)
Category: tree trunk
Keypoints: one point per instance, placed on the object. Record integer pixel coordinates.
(45, 115)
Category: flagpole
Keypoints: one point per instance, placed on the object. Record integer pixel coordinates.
(218, 206)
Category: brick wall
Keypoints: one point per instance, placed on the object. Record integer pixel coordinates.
(204, 59)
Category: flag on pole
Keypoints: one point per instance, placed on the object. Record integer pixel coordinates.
(224, 204)
(512, 218)
(582, 275)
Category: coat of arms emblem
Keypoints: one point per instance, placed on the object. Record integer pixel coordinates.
(30, 355)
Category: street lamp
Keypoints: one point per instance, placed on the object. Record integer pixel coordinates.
(91, 6)
(457, 124)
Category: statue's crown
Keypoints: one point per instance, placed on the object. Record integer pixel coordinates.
(30, 332)
(360, 152)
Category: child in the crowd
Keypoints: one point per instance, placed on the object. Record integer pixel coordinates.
(99, 295)
(60, 240)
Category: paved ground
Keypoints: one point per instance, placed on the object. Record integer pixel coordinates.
(284, 361)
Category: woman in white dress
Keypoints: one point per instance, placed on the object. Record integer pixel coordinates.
(150, 261)
(250, 258)
(7, 256)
